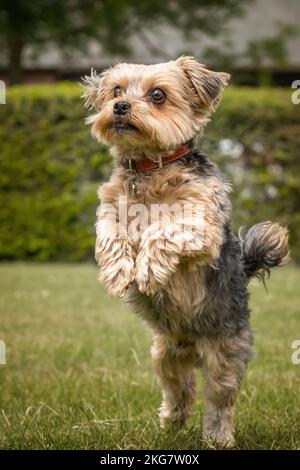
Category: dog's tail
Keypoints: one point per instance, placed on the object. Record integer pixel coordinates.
(265, 246)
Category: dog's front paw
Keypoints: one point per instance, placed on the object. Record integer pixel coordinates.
(117, 280)
(153, 272)
(145, 276)
(116, 267)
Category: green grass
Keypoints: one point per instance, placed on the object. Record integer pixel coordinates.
(79, 374)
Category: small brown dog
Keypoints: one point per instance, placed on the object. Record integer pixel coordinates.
(164, 237)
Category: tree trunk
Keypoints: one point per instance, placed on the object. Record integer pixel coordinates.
(15, 50)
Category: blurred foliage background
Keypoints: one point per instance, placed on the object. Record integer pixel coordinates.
(78, 375)
(71, 25)
(50, 167)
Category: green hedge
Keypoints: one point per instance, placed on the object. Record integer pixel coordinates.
(50, 167)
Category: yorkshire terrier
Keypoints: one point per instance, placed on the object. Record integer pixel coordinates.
(184, 272)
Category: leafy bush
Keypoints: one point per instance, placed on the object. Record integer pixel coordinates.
(50, 167)
(255, 138)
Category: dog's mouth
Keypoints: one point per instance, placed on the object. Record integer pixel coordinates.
(121, 127)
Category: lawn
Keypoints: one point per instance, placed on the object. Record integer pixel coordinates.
(79, 373)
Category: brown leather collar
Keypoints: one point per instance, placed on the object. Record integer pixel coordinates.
(141, 166)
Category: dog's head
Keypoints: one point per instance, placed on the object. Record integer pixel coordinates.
(152, 107)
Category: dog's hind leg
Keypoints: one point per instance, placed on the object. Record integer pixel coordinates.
(225, 364)
(174, 365)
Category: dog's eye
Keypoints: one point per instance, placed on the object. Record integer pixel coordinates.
(118, 91)
(157, 95)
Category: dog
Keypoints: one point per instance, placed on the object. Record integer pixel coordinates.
(186, 275)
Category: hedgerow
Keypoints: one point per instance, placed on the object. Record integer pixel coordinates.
(50, 167)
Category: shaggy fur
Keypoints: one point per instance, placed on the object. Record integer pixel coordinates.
(186, 279)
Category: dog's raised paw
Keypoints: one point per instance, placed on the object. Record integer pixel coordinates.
(117, 278)
(154, 267)
(145, 274)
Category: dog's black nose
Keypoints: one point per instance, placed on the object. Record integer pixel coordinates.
(121, 107)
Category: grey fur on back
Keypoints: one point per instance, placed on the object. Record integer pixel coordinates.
(225, 308)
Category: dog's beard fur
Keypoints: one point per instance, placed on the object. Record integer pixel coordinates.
(149, 129)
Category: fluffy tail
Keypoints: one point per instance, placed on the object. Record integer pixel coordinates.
(265, 246)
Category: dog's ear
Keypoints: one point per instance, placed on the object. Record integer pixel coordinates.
(206, 84)
(92, 85)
